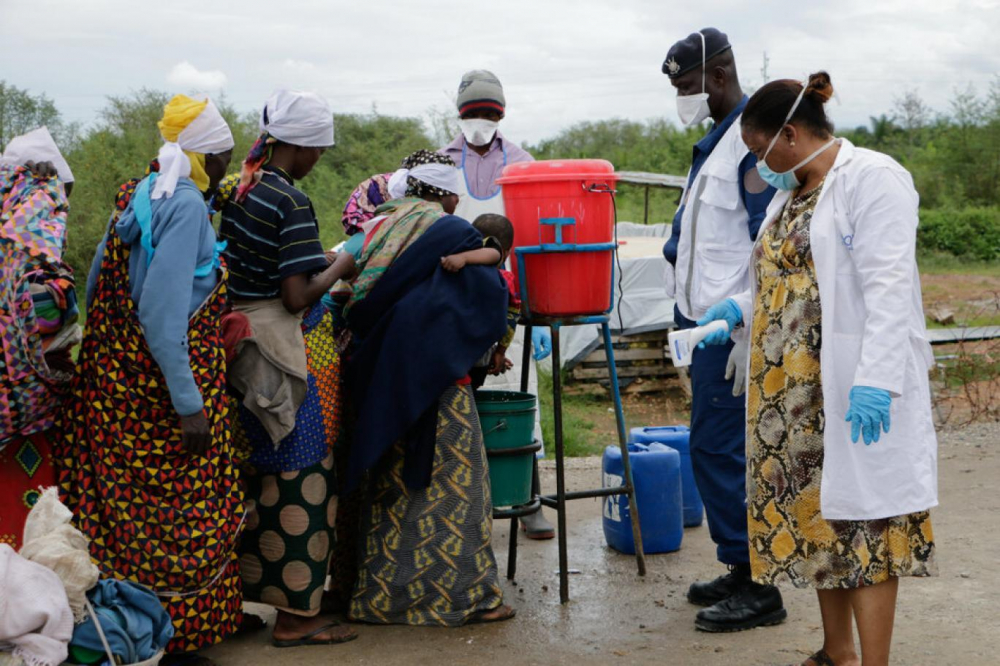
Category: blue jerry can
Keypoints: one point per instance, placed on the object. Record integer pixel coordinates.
(677, 437)
(656, 470)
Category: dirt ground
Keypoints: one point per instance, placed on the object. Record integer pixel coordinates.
(616, 617)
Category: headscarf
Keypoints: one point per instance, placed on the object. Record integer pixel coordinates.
(290, 116)
(191, 128)
(37, 146)
(365, 198)
(425, 173)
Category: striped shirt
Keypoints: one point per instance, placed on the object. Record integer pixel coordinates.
(271, 235)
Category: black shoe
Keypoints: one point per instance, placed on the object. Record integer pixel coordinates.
(720, 589)
(752, 606)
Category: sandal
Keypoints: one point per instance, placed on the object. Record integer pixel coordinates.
(820, 658)
(310, 638)
(502, 614)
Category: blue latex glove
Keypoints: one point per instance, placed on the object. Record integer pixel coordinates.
(868, 413)
(729, 312)
(541, 342)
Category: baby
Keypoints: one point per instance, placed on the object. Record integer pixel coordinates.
(498, 238)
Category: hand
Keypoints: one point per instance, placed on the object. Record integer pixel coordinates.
(541, 342)
(868, 413)
(499, 363)
(42, 169)
(729, 312)
(331, 257)
(195, 433)
(453, 263)
(736, 366)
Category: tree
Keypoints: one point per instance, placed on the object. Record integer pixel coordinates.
(21, 112)
(911, 111)
(883, 127)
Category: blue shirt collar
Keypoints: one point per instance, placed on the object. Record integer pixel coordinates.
(709, 141)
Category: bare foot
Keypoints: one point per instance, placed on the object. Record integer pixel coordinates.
(498, 614)
(318, 630)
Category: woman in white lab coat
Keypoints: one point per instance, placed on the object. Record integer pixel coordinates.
(841, 449)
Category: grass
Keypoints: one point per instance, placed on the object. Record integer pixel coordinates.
(942, 263)
(972, 322)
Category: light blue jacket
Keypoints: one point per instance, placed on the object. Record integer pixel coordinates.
(165, 288)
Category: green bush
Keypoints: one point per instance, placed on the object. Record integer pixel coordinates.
(972, 232)
(125, 138)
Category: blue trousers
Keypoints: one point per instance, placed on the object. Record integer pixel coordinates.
(718, 449)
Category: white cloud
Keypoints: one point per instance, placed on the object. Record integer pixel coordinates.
(186, 75)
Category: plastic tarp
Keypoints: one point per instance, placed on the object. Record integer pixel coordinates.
(639, 275)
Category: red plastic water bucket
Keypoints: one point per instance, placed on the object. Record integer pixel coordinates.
(563, 284)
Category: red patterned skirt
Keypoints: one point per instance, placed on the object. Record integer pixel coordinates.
(155, 514)
(25, 465)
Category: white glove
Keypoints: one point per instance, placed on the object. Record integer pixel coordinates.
(736, 366)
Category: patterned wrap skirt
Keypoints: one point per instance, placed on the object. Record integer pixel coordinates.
(789, 538)
(427, 555)
(25, 465)
(154, 513)
(291, 489)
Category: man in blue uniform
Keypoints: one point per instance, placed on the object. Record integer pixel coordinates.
(721, 209)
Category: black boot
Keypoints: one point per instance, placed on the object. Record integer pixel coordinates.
(751, 606)
(723, 587)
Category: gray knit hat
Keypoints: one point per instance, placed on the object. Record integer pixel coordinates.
(480, 89)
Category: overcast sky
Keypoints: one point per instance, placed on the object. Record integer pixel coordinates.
(561, 61)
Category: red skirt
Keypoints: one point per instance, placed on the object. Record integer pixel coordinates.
(25, 466)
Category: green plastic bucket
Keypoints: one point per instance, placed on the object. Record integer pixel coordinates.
(508, 420)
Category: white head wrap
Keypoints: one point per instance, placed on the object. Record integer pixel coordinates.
(397, 184)
(37, 146)
(442, 176)
(207, 133)
(299, 118)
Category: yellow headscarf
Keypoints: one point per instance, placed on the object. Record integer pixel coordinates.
(178, 114)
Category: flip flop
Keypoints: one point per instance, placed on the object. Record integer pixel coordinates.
(481, 617)
(820, 658)
(308, 639)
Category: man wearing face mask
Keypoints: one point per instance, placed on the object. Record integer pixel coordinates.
(721, 209)
(481, 153)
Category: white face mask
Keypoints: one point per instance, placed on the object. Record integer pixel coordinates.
(692, 109)
(478, 131)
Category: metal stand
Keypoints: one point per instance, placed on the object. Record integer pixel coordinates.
(558, 501)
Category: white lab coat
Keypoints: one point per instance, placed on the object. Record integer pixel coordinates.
(863, 238)
(715, 243)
